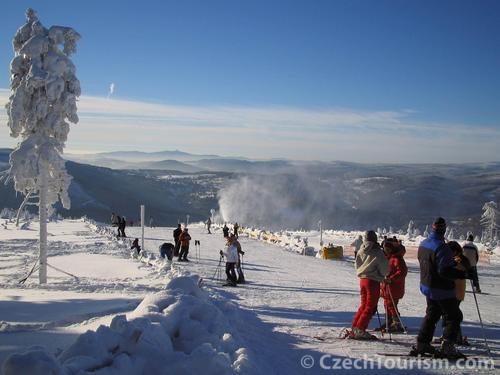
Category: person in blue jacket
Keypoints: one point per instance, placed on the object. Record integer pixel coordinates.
(437, 275)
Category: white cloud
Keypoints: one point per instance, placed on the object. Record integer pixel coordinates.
(108, 124)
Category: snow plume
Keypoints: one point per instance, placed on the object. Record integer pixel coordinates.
(290, 201)
(111, 89)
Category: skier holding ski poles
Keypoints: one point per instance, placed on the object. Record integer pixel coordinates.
(371, 268)
(437, 275)
(231, 254)
(241, 276)
(392, 288)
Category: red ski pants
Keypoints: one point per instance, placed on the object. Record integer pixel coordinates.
(370, 293)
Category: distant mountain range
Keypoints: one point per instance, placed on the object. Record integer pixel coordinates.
(274, 193)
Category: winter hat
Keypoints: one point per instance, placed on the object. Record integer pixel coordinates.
(371, 236)
(439, 225)
(470, 237)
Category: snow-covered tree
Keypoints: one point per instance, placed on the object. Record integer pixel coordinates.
(44, 90)
(490, 221)
(409, 231)
(451, 234)
(426, 231)
(416, 232)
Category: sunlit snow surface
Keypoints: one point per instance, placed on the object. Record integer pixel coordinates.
(107, 311)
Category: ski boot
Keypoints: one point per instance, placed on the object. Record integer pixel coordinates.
(448, 350)
(346, 333)
(463, 341)
(396, 327)
(422, 349)
(360, 334)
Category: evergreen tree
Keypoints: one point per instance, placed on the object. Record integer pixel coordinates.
(490, 221)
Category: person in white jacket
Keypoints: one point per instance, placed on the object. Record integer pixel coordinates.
(472, 254)
(231, 254)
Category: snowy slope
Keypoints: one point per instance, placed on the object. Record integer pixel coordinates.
(155, 316)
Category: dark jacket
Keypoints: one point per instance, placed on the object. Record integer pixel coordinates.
(177, 233)
(437, 271)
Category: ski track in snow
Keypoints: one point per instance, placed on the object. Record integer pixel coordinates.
(287, 301)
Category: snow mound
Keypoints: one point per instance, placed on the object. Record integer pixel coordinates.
(176, 331)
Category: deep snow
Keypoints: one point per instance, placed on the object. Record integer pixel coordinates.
(156, 319)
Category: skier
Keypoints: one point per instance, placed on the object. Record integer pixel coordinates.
(121, 226)
(209, 223)
(241, 276)
(167, 250)
(357, 244)
(177, 232)
(135, 245)
(461, 263)
(231, 254)
(472, 254)
(115, 221)
(225, 231)
(437, 275)
(371, 268)
(235, 229)
(184, 239)
(392, 288)
(383, 242)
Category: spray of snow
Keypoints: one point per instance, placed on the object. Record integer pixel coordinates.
(274, 202)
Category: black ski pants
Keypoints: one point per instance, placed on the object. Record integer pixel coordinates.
(230, 272)
(184, 252)
(475, 277)
(449, 310)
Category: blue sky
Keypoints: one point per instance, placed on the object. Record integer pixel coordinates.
(430, 66)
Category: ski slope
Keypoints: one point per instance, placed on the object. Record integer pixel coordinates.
(265, 326)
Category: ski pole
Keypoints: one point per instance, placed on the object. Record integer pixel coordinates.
(480, 319)
(379, 322)
(387, 316)
(397, 312)
(218, 266)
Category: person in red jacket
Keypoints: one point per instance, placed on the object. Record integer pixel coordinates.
(184, 239)
(394, 284)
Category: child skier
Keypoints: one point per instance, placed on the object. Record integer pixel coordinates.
(392, 288)
(371, 268)
(461, 263)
